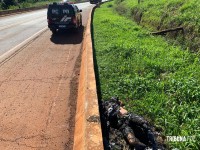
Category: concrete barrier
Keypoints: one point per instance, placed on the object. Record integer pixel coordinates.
(88, 133)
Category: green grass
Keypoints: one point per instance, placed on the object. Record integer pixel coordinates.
(155, 79)
(165, 14)
(28, 4)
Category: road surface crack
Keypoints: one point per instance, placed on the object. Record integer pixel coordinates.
(44, 80)
(19, 140)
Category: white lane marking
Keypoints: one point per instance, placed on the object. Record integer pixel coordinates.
(9, 53)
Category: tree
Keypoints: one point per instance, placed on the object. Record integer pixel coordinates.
(7, 3)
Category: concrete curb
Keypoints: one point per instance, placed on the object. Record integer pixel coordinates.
(88, 133)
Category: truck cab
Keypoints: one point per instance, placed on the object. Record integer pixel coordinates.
(63, 16)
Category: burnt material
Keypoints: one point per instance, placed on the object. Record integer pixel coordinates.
(94, 118)
(127, 131)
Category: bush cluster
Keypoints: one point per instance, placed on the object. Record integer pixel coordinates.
(16, 4)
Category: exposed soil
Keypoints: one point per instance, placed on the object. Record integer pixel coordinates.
(38, 92)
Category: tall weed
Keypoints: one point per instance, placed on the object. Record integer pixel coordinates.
(164, 14)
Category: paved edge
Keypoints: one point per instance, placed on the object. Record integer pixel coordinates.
(88, 133)
(9, 54)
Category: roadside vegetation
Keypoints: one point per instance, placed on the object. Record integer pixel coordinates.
(19, 4)
(155, 79)
(158, 15)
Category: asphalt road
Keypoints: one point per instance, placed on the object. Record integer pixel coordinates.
(15, 29)
(38, 84)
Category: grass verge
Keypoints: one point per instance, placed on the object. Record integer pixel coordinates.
(154, 79)
(165, 14)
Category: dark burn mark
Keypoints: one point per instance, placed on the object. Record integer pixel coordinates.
(94, 118)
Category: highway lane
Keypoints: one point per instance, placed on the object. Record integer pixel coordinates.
(15, 29)
(38, 90)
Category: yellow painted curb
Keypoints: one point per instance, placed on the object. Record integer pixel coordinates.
(88, 133)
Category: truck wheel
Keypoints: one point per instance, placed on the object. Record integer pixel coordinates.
(77, 29)
(81, 25)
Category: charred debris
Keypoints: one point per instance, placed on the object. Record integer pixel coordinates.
(123, 130)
